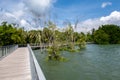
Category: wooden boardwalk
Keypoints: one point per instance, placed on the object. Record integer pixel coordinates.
(16, 66)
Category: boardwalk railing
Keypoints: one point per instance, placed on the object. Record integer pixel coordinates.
(36, 70)
(41, 45)
(5, 50)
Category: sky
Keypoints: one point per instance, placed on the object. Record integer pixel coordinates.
(90, 13)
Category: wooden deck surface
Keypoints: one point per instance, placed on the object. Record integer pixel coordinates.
(16, 66)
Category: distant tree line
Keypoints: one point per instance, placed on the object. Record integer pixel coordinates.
(106, 34)
(9, 35)
(65, 40)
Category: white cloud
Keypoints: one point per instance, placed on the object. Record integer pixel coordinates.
(9, 17)
(26, 25)
(113, 16)
(38, 7)
(17, 15)
(84, 26)
(20, 15)
(23, 22)
(106, 4)
(88, 25)
(39, 10)
(14, 17)
(20, 12)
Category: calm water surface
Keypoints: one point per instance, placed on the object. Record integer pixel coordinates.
(96, 62)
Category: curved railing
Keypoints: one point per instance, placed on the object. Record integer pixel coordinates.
(5, 50)
(36, 70)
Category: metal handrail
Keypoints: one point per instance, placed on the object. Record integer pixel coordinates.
(40, 44)
(36, 70)
(6, 50)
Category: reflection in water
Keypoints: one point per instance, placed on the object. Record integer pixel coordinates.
(96, 62)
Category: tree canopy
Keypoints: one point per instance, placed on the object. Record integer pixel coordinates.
(107, 34)
(10, 35)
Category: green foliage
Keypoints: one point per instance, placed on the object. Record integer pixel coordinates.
(53, 53)
(62, 41)
(107, 34)
(59, 40)
(82, 41)
(34, 36)
(100, 37)
(89, 37)
(10, 35)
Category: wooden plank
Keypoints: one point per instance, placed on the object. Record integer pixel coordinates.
(16, 66)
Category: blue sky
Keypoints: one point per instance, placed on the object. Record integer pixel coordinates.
(84, 8)
(91, 13)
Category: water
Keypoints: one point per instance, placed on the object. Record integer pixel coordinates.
(96, 62)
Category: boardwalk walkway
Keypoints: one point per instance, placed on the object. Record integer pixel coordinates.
(16, 66)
